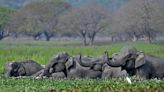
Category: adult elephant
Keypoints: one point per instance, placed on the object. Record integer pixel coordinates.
(21, 68)
(113, 72)
(137, 63)
(77, 69)
(56, 66)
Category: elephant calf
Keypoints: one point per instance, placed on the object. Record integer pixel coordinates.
(21, 68)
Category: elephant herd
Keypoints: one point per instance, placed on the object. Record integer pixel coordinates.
(127, 62)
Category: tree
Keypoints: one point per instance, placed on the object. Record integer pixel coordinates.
(139, 17)
(38, 17)
(4, 19)
(86, 21)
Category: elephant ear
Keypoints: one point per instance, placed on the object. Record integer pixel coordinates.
(69, 63)
(105, 66)
(21, 71)
(15, 66)
(140, 60)
(57, 57)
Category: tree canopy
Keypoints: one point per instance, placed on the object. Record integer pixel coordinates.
(38, 17)
(4, 19)
(139, 16)
(86, 21)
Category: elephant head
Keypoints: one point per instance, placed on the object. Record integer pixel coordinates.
(56, 63)
(129, 59)
(60, 57)
(13, 69)
(71, 63)
(21, 68)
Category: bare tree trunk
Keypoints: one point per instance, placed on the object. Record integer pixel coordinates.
(134, 37)
(37, 36)
(91, 37)
(149, 37)
(48, 35)
(84, 41)
(3, 35)
(83, 33)
(47, 38)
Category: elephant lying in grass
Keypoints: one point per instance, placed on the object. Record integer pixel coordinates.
(138, 63)
(63, 66)
(21, 68)
(128, 61)
(56, 67)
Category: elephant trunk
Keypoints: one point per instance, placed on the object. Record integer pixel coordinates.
(7, 74)
(85, 62)
(117, 61)
(112, 63)
(7, 70)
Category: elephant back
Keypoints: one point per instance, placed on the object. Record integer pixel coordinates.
(30, 67)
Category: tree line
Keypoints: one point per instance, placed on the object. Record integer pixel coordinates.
(137, 19)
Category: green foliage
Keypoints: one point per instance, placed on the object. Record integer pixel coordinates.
(4, 15)
(42, 51)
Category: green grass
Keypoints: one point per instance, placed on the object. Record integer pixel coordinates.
(42, 51)
(30, 85)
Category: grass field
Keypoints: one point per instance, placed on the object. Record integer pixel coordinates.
(42, 51)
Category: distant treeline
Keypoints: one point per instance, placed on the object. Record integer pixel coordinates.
(132, 19)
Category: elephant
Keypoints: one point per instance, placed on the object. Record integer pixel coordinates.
(56, 64)
(138, 63)
(77, 69)
(113, 72)
(21, 68)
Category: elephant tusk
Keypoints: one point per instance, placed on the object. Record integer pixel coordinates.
(128, 80)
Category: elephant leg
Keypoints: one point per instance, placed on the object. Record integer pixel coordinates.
(72, 74)
(78, 73)
(142, 74)
(94, 74)
(106, 74)
(58, 75)
(39, 73)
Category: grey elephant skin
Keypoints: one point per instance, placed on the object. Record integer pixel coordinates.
(113, 72)
(137, 63)
(21, 68)
(83, 67)
(56, 66)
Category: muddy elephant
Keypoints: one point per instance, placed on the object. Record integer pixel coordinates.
(138, 63)
(21, 68)
(113, 72)
(77, 67)
(56, 65)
